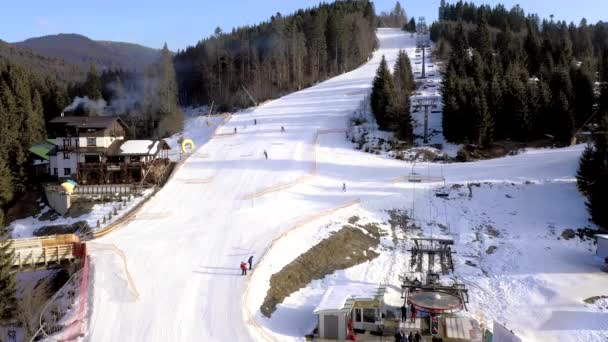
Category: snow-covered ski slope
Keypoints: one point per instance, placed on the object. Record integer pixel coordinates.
(184, 248)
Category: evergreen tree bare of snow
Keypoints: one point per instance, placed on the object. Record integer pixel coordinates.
(283, 54)
(8, 299)
(383, 93)
(395, 18)
(536, 75)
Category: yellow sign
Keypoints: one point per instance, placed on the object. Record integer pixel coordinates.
(187, 145)
(67, 187)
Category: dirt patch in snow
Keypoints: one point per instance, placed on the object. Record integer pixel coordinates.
(499, 149)
(568, 234)
(353, 219)
(493, 232)
(601, 302)
(491, 250)
(350, 246)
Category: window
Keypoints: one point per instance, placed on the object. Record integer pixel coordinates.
(369, 315)
(88, 158)
(55, 171)
(91, 142)
(357, 315)
(66, 155)
(67, 171)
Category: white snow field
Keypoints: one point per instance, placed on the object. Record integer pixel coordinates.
(184, 248)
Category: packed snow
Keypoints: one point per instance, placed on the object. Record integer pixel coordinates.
(184, 248)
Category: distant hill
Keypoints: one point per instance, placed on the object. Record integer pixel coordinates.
(56, 68)
(83, 51)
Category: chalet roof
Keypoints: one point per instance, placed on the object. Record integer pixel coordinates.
(88, 121)
(142, 147)
(42, 150)
(343, 297)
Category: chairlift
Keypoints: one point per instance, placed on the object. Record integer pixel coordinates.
(442, 193)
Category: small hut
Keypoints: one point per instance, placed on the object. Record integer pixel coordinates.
(360, 303)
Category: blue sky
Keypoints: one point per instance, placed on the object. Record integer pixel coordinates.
(183, 22)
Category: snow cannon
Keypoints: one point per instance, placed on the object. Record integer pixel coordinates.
(187, 145)
(68, 187)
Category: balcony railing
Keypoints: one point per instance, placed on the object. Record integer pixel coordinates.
(110, 166)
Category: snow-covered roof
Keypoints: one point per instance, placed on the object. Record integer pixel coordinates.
(341, 297)
(142, 147)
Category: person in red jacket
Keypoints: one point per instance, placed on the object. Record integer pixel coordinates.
(413, 312)
(243, 268)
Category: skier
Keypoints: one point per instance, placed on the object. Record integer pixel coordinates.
(417, 337)
(234, 130)
(265, 154)
(403, 313)
(250, 262)
(243, 268)
(282, 129)
(255, 121)
(344, 187)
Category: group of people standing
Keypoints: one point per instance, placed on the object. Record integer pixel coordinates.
(245, 264)
(402, 337)
(404, 313)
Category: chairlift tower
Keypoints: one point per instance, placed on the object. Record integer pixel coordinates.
(427, 103)
(432, 247)
(422, 41)
(422, 31)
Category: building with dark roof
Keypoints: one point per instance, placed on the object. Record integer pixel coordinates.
(93, 150)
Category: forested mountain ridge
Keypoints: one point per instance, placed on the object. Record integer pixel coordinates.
(283, 54)
(83, 51)
(57, 69)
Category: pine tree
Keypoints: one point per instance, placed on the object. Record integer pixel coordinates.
(397, 17)
(494, 100)
(411, 25)
(486, 129)
(382, 93)
(451, 109)
(561, 106)
(598, 200)
(533, 49)
(165, 116)
(589, 167)
(592, 176)
(92, 86)
(483, 41)
(564, 120)
(442, 10)
(583, 93)
(402, 74)
(8, 301)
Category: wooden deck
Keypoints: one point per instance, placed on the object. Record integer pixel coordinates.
(45, 251)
